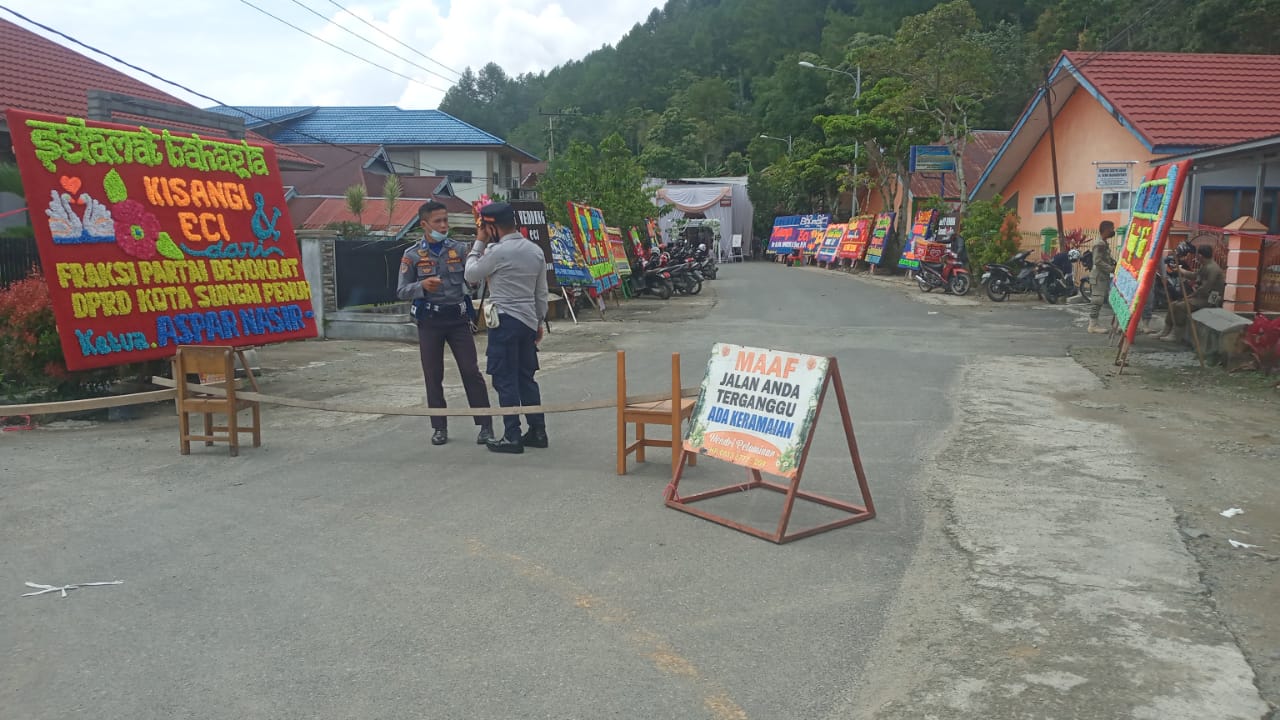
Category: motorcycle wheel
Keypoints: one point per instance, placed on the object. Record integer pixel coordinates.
(925, 286)
(998, 291)
(1050, 292)
(960, 283)
(695, 287)
(663, 290)
(1086, 290)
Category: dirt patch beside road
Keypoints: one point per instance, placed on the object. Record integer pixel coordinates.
(1213, 440)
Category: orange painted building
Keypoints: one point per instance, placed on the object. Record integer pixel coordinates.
(1117, 114)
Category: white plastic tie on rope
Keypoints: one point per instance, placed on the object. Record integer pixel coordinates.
(62, 589)
(1240, 545)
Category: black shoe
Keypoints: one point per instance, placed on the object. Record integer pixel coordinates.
(439, 437)
(535, 438)
(511, 447)
(486, 434)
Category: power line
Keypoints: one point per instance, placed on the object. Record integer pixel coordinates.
(366, 40)
(1114, 39)
(339, 48)
(393, 37)
(184, 88)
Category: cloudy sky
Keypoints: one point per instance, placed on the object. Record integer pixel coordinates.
(232, 52)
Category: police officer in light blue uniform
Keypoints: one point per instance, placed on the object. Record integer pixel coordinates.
(431, 275)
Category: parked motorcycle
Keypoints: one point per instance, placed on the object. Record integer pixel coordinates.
(685, 278)
(652, 279)
(950, 274)
(1017, 276)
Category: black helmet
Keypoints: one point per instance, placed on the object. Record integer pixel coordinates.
(1184, 248)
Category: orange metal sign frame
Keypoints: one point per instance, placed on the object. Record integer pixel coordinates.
(857, 513)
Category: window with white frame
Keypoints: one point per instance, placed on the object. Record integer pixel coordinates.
(1120, 201)
(1044, 204)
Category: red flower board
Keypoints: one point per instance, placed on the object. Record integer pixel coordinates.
(150, 240)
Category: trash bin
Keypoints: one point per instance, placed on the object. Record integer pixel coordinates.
(1048, 237)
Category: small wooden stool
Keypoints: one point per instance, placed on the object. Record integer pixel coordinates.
(671, 413)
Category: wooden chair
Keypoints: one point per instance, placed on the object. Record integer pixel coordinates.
(670, 412)
(217, 361)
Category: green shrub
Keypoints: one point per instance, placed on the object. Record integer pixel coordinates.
(990, 232)
(32, 366)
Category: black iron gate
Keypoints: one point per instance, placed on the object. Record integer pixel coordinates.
(17, 258)
(366, 270)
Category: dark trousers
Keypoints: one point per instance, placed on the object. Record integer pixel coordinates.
(512, 360)
(433, 333)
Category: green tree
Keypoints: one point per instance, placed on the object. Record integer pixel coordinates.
(949, 71)
(355, 196)
(608, 177)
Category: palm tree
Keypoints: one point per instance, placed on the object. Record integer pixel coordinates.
(356, 202)
(391, 194)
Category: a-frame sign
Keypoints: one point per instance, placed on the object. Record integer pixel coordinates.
(757, 408)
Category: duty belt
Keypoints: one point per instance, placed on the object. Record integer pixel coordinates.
(460, 307)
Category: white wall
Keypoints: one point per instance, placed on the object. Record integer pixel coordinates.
(478, 162)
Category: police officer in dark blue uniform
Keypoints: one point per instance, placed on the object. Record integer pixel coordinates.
(431, 274)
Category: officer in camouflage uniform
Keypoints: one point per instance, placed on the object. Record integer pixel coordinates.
(1103, 266)
(1211, 283)
(431, 276)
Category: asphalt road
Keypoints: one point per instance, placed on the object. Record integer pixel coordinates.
(350, 570)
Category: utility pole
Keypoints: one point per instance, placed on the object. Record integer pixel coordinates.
(551, 128)
(1053, 159)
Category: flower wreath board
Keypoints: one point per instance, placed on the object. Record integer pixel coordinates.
(150, 240)
(757, 408)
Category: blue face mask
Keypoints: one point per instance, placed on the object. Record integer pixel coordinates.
(438, 237)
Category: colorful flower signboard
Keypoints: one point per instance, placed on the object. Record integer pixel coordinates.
(855, 241)
(618, 251)
(565, 258)
(831, 242)
(587, 224)
(880, 234)
(795, 231)
(150, 240)
(756, 407)
(921, 230)
(1136, 268)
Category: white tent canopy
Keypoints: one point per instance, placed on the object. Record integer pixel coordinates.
(722, 199)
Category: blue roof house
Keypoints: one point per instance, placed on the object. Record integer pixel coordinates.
(415, 142)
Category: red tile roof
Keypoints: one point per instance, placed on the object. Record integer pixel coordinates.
(344, 166)
(1188, 100)
(40, 75)
(331, 210)
(982, 146)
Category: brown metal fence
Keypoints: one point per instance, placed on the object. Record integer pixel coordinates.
(1269, 277)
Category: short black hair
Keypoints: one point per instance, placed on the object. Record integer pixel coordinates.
(1205, 251)
(429, 207)
(1106, 226)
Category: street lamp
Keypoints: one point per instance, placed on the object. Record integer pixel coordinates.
(857, 94)
(786, 140)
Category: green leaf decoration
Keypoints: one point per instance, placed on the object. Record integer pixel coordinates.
(114, 185)
(167, 247)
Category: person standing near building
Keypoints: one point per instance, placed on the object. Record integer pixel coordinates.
(516, 271)
(431, 275)
(1103, 266)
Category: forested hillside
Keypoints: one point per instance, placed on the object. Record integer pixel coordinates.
(699, 80)
(691, 89)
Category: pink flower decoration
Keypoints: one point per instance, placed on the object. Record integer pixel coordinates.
(136, 229)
